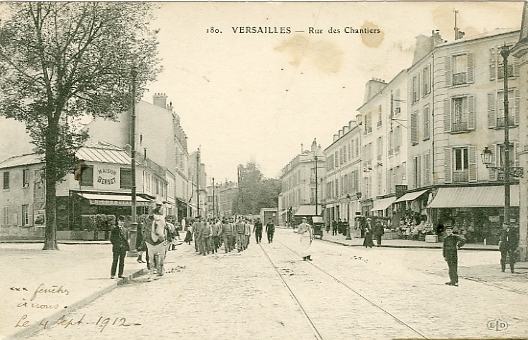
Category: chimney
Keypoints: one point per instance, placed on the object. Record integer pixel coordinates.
(302, 148)
(160, 99)
(314, 145)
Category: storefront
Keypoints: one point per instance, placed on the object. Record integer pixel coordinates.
(476, 212)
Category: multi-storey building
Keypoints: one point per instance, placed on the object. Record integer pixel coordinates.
(161, 137)
(302, 181)
(227, 194)
(383, 119)
(520, 51)
(344, 170)
(455, 103)
(198, 185)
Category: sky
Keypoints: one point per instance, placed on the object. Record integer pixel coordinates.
(258, 96)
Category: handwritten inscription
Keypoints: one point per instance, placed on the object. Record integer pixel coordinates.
(66, 321)
(53, 290)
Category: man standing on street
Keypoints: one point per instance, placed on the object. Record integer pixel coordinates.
(270, 230)
(240, 228)
(258, 230)
(509, 241)
(247, 233)
(217, 230)
(119, 240)
(452, 242)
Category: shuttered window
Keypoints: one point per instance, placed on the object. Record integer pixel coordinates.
(426, 119)
(414, 128)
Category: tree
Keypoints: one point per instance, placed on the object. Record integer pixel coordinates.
(255, 191)
(61, 61)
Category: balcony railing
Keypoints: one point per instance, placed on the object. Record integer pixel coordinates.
(460, 176)
(501, 121)
(459, 127)
(459, 78)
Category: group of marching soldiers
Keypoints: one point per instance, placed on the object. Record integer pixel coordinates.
(209, 235)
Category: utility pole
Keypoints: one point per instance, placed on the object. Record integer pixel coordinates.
(133, 73)
(316, 182)
(213, 199)
(505, 52)
(198, 182)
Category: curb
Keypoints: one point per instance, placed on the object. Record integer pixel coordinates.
(407, 246)
(36, 326)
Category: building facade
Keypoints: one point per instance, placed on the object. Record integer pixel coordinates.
(302, 182)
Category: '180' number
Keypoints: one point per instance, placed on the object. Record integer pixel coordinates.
(213, 30)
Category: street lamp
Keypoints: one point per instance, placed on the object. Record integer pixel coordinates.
(348, 237)
(487, 154)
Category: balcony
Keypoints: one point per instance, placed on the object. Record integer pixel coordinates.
(459, 78)
(501, 121)
(460, 176)
(459, 127)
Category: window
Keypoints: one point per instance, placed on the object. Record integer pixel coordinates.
(461, 159)
(125, 178)
(426, 81)
(426, 118)
(336, 159)
(378, 124)
(379, 152)
(25, 178)
(6, 180)
(414, 128)
(417, 169)
(25, 214)
(459, 69)
(459, 114)
(460, 164)
(87, 176)
(6, 215)
(416, 88)
(497, 65)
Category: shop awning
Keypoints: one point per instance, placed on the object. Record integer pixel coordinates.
(383, 203)
(118, 200)
(307, 210)
(410, 196)
(474, 197)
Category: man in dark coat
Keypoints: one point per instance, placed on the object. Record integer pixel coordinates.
(270, 230)
(452, 242)
(509, 241)
(257, 229)
(378, 231)
(119, 240)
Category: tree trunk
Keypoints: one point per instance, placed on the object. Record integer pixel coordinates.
(50, 240)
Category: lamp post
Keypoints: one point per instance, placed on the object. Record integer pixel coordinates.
(214, 215)
(487, 154)
(348, 237)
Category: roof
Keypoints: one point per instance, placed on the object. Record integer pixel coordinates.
(103, 154)
(307, 210)
(14, 161)
(474, 197)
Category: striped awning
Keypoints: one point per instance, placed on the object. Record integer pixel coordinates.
(411, 196)
(474, 197)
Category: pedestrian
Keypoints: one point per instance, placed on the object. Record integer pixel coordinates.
(140, 242)
(206, 238)
(188, 235)
(216, 232)
(452, 242)
(367, 242)
(378, 231)
(270, 230)
(247, 233)
(119, 240)
(306, 232)
(258, 230)
(509, 241)
(227, 232)
(334, 227)
(240, 228)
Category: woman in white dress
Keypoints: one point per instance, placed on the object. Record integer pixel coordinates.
(306, 239)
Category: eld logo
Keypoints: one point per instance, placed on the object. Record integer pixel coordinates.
(497, 325)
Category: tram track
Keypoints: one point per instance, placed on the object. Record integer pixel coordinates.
(354, 304)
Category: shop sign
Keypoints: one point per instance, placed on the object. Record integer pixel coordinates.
(107, 178)
(117, 203)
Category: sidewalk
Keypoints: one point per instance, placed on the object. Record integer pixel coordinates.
(340, 239)
(39, 286)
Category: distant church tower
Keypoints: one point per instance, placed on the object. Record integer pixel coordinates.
(520, 51)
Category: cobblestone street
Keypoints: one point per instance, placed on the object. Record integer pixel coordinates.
(345, 293)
